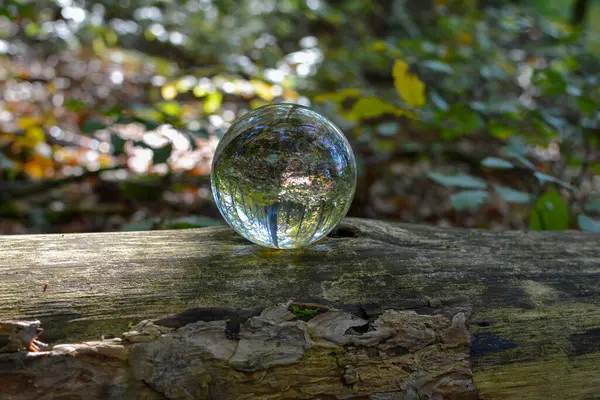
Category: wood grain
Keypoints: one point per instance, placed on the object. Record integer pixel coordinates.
(531, 301)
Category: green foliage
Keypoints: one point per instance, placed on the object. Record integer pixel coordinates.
(92, 125)
(303, 312)
(593, 205)
(512, 196)
(550, 213)
(588, 224)
(435, 86)
(468, 200)
(213, 102)
(118, 144)
(542, 177)
(76, 105)
(388, 128)
(162, 154)
(497, 163)
(461, 181)
(5, 162)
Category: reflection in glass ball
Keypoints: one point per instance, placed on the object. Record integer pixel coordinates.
(283, 176)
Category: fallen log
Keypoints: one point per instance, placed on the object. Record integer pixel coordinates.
(374, 311)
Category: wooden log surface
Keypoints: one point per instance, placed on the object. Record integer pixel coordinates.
(374, 311)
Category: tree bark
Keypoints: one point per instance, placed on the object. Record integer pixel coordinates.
(375, 311)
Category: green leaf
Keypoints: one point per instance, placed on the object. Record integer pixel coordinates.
(592, 205)
(587, 105)
(479, 106)
(213, 102)
(460, 120)
(551, 82)
(74, 105)
(389, 128)
(574, 160)
(491, 72)
(91, 126)
(161, 155)
(542, 133)
(497, 163)
(556, 122)
(439, 102)
(118, 144)
(5, 162)
(469, 200)
(461, 180)
(148, 124)
(505, 107)
(541, 177)
(193, 221)
(171, 109)
(438, 66)
(516, 145)
(471, 122)
(32, 29)
(114, 111)
(484, 41)
(573, 90)
(522, 159)
(500, 130)
(125, 120)
(550, 213)
(24, 10)
(588, 224)
(512, 196)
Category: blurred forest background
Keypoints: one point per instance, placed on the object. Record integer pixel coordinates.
(472, 113)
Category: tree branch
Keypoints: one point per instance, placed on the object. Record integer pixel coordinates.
(10, 191)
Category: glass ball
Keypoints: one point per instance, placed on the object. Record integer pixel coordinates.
(283, 176)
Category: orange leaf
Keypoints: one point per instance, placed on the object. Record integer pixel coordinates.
(34, 170)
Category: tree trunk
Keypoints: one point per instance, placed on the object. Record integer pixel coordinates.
(375, 311)
(580, 11)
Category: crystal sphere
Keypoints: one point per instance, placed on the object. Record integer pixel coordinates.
(283, 176)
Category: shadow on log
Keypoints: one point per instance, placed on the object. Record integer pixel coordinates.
(379, 311)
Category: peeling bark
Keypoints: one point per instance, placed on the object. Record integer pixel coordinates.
(399, 354)
(21, 335)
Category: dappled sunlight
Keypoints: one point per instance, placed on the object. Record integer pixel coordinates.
(464, 123)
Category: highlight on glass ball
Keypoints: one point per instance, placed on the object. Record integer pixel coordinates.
(283, 176)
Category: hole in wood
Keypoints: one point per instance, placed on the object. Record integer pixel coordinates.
(344, 231)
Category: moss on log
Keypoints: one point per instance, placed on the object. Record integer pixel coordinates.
(380, 311)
